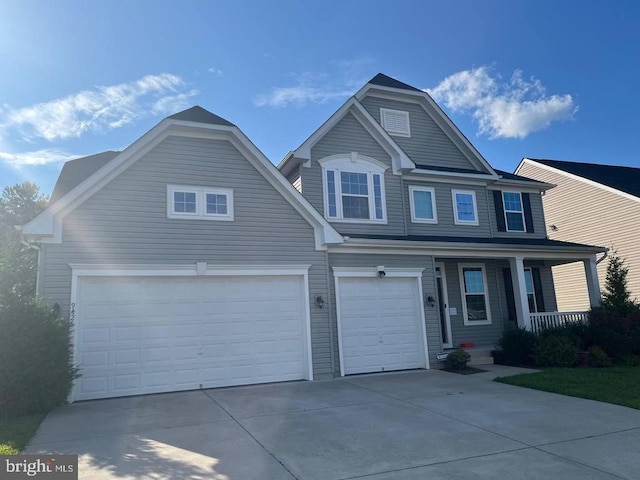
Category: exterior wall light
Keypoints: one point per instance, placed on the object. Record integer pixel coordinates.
(319, 301)
(431, 301)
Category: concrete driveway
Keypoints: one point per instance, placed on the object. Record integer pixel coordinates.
(414, 425)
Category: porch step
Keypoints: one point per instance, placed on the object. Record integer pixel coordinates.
(480, 356)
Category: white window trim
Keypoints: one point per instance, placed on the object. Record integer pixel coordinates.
(521, 212)
(535, 300)
(414, 218)
(396, 133)
(456, 220)
(463, 293)
(354, 163)
(201, 203)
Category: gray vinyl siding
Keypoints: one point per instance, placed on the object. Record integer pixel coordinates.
(537, 212)
(428, 144)
(481, 335)
(347, 136)
(432, 321)
(445, 213)
(295, 179)
(588, 214)
(126, 223)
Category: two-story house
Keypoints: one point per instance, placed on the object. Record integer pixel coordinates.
(189, 260)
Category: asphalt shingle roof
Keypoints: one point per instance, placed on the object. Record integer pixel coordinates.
(200, 115)
(74, 172)
(625, 179)
(386, 81)
(511, 176)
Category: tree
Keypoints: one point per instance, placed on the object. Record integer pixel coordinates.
(616, 296)
(18, 262)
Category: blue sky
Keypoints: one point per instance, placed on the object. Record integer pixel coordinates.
(520, 78)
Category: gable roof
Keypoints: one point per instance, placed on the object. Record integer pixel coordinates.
(624, 179)
(76, 171)
(200, 115)
(385, 81)
(47, 226)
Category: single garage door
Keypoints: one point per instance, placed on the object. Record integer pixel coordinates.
(380, 324)
(140, 335)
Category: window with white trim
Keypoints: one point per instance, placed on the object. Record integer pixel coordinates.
(199, 203)
(475, 298)
(423, 204)
(395, 122)
(513, 211)
(465, 209)
(354, 189)
(531, 293)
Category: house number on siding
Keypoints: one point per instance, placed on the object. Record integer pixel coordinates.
(73, 312)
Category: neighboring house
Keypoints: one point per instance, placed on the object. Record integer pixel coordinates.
(189, 261)
(595, 204)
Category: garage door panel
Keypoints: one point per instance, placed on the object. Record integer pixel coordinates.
(380, 324)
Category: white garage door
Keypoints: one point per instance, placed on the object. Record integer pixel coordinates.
(146, 334)
(380, 324)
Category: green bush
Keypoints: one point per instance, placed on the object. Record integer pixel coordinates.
(598, 358)
(618, 333)
(555, 352)
(36, 362)
(578, 333)
(517, 346)
(457, 360)
(630, 360)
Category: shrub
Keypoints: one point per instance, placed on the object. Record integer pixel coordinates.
(618, 333)
(577, 333)
(457, 360)
(36, 369)
(555, 352)
(630, 360)
(517, 346)
(598, 357)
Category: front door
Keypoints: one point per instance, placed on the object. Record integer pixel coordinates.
(443, 306)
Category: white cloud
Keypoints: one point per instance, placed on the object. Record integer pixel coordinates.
(104, 107)
(38, 157)
(503, 109)
(215, 71)
(345, 79)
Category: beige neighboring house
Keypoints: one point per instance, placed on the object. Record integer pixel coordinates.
(594, 204)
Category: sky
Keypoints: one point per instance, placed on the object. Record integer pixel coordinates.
(538, 79)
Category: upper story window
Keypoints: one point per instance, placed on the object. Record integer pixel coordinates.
(423, 204)
(465, 209)
(513, 211)
(354, 188)
(200, 203)
(395, 122)
(475, 298)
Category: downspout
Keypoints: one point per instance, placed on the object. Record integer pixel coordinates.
(332, 352)
(37, 248)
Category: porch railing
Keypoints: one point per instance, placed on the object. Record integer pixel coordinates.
(541, 321)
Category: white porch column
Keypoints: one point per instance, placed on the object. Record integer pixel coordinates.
(593, 286)
(520, 292)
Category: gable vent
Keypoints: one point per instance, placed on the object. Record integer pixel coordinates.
(396, 122)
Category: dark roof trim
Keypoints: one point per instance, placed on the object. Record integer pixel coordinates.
(511, 176)
(200, 115)
(540, 242)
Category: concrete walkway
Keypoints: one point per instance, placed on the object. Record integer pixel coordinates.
(414, 425)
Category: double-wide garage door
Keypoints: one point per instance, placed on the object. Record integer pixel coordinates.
(380, 324)
(157, 334)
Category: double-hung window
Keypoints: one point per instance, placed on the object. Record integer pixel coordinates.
(475, 298)
(465, 209)
(531, 293)
(513, 211)
(423, 204)
(354, 189)
(199, 203)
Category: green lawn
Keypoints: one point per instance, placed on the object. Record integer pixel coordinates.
(15, 433)
(619, 385)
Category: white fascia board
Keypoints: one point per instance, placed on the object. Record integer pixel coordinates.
(522, 185)
(606, 188)
(421, 98)
(466, 250)
(401, 160)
